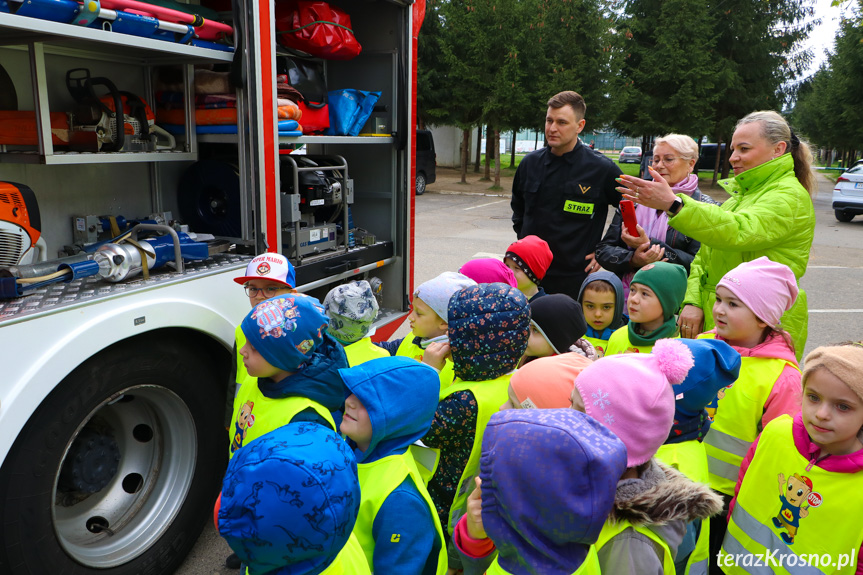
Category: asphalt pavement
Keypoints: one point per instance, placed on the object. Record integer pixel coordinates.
(457, 222)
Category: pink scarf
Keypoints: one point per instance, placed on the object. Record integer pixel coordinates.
(655, 222)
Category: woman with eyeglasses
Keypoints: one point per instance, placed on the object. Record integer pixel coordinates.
(674, 158)
(769, 213)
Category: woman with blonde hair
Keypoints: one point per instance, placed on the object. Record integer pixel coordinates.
(674, 157)
(769, 213)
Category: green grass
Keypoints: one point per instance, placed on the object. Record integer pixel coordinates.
(504, 162)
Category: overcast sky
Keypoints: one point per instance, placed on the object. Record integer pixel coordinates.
(822, 37)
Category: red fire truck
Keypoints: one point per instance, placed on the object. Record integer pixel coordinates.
(120, 237)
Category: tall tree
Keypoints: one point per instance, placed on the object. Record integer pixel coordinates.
(667, 82)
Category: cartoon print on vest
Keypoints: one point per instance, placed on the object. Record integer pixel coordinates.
(298, 541)
(600, 351)
(245, 420)
(286, 494)
(632, 350)
(796, 496)
(714, 405)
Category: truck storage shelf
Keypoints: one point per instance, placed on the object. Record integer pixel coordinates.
(337, 140)
(21, 30)
(85, 291)
(95, 157)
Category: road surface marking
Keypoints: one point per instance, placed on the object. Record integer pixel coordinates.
(836, 311)
(484, 205)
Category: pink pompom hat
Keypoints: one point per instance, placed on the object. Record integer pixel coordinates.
(631, 395)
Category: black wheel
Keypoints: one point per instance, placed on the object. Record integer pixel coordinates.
(421, 183)
(843, 216)
(117, 470)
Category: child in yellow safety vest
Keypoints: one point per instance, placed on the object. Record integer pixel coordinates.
(352, 309)
(813, 464)
(632, 395)
(529, 258)
(391, 402)
(296, 364)
(267, 275)
(556, 326)
(428, 322)
(289, 502)
(489, 326)
(716, 365)
(547, 484)
(750, 301)
(602, 303)
(655, 295)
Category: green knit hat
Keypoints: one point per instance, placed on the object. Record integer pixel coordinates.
(668, 282)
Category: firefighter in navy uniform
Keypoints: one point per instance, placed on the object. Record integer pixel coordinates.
(561, 193)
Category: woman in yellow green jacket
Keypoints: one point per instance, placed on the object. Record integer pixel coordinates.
(769, 213)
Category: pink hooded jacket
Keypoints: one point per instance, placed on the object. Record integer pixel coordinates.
(787, 392)
(851, 463)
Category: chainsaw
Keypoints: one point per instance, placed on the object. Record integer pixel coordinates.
(117, 122)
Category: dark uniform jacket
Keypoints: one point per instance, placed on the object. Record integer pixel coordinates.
(564, 200)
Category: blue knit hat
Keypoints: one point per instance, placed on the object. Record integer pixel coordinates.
(286, 329)
(717, 365)
(489, 325)
(547, 525)
(290, 500)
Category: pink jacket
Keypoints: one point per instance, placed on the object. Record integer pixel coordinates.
(852, 463)
(787, 392)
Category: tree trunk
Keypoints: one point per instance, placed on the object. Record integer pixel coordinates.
(725, 164)
(465, 153)
(716, 162)
(478, 149)
(828, 159)
(489, 154)
(512, 155)
(497, 159)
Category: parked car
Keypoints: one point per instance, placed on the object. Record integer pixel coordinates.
(707, 157)
(848, 194)
(426, 161)
(630, 155)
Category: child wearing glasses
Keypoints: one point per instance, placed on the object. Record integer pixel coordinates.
(267, 275)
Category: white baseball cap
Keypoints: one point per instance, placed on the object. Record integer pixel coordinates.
(273, 267)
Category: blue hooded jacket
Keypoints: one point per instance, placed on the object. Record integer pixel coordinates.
(400, 395)
(290, 500)
(549, 478)
(619, 318)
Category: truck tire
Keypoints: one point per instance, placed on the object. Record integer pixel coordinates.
(117, 470)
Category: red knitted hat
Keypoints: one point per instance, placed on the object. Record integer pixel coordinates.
(532, 255)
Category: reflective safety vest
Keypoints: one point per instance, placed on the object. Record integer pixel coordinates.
(611, 530)
(350, 561)
(619, 343)
(800, 518)
(362, 351)
(738, 414)
(590, 566)
(255, 414)
(600, 345)
(243, 376)
(690, 458)
(489, 395)
(377, 480)
(408, 348)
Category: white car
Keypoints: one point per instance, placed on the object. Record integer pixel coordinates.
(848, 194)
(630, 154)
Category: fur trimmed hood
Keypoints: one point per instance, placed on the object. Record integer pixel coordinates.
(661, 495)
